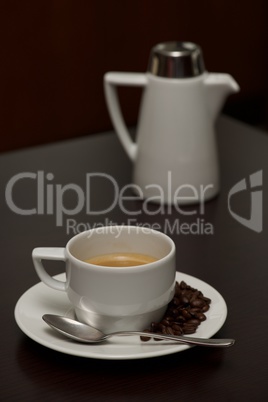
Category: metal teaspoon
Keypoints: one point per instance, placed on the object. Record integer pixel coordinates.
(87, 334)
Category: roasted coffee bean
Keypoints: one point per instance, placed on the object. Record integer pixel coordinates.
(189, 329)
(206, 299)
(185, 300)
(174, 312)
(176, 301)
(194, 321)
(201, 316)
(145, 338)
(169, 318)
(184, 313)
(162, 327)
(193, 311)
(155, 326)
(165, 322)
(169, 331)
(177, 288)
(194, 296)
(176, 327)
(197, 303)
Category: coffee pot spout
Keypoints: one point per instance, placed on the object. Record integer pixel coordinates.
(218, 87)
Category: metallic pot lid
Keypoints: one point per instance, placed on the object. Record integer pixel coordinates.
(176, 60)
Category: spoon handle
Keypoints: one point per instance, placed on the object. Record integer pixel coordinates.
(182, 339)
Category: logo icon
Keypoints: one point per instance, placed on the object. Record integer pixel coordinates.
(256, 207)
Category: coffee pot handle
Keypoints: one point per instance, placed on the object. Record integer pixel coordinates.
(111, 80)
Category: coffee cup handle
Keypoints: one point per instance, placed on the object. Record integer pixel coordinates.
(48, 253)
(111, 80)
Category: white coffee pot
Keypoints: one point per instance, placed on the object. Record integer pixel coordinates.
(175, 154)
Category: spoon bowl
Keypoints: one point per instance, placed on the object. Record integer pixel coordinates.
(85, 333)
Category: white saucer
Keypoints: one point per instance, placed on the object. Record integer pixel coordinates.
(40, 299)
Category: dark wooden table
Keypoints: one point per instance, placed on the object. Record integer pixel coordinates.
(233, 260)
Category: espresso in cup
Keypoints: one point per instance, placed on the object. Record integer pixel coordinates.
(117, 278)
(121, 260)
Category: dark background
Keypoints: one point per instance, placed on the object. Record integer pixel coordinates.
(54, 55)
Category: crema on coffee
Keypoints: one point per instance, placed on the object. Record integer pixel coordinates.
(121, 259)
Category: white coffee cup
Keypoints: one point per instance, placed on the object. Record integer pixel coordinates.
(114, 298)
